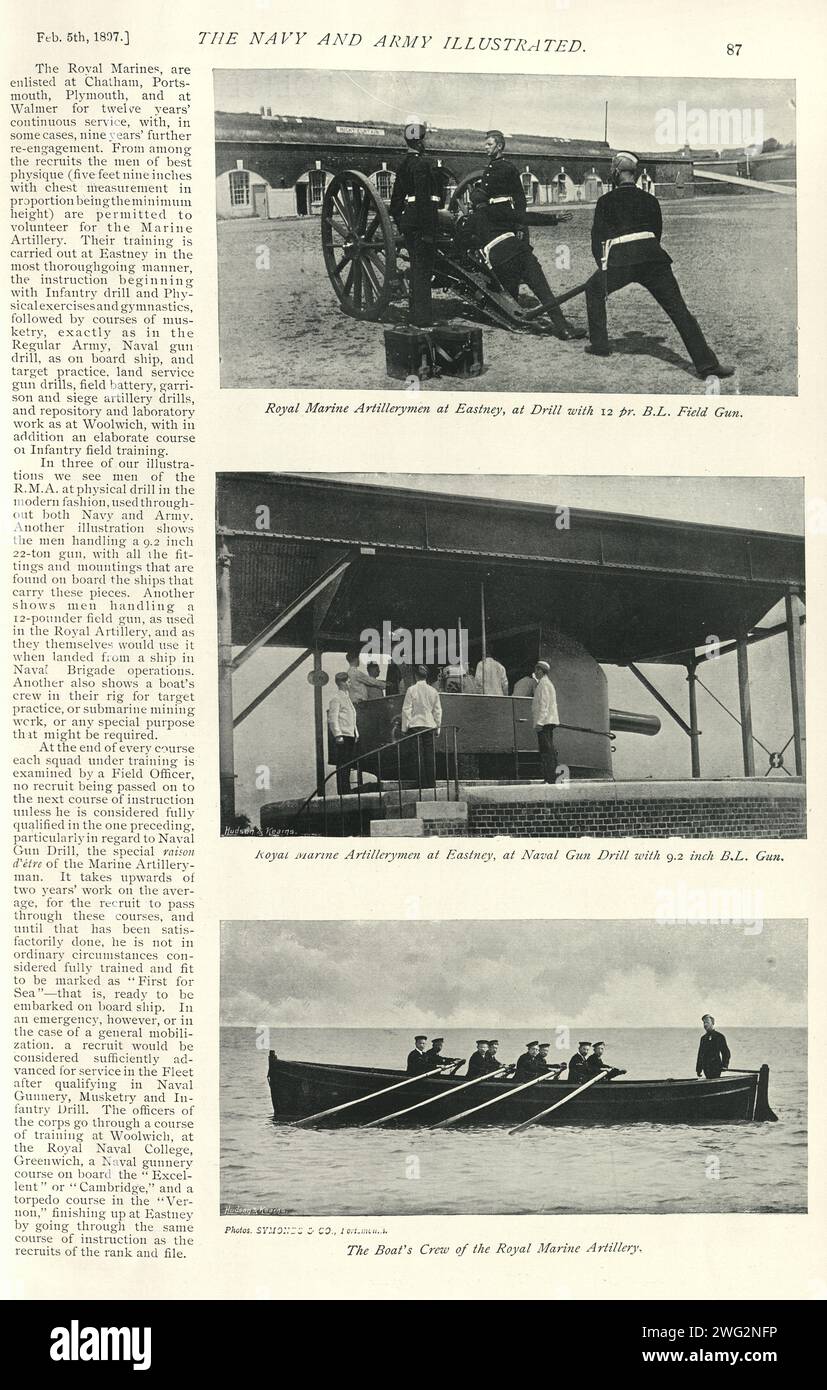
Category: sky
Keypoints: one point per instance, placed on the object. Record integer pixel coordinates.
(570, 107)
(451, 975)
(279, 735)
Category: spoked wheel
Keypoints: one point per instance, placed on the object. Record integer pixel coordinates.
(359, 245)
(461, 196)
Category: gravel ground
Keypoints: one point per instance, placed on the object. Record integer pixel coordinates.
(734, 258)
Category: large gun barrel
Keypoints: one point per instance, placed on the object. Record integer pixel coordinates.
(621, 721)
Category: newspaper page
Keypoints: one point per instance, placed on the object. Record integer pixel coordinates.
(414, 468)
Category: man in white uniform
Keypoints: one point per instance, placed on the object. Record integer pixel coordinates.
(544, 713)
(422, 714)
(341, 720)
(492, 677)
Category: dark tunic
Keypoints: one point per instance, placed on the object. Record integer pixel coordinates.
(418, 177)
(628, 209)
(477, 1066)
(578, 1069)
(436, 1059)
(594, 1065)
(418, 1063)
(493, 1063)
(713, 1055)
(526, 1068)
(502, 180)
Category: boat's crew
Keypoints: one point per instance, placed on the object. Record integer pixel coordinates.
(478, 1061)
(492, 677)
(418, 1057)
(341, 721)
(543, 1064)
(626, 234)
(713, 1053)
(422, 714)
(418, 194)
(578, 1069)
(546, 718)
(435, 1058)
(595, 1064)
(526, 1068)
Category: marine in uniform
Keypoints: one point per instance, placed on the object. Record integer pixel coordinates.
(499, 227)
(478, 1061)
(492, 1061)
(595, 1064)
(543, 1064)
(417, 1058)
(626, 234)
(418, 194)
(578, 1070)
(435, 1058)
(527, 1068)
(713, 1053)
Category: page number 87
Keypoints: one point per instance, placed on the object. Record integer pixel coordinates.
(733, 49)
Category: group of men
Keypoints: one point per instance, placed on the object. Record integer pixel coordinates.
(625, 242)
(533, 1063)
(713, 1058)
(422, 708)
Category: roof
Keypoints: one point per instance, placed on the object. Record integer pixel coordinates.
(250, 127)
(629, 588)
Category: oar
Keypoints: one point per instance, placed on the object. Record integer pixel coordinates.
(442, 1095)
(512, 1091)
(558, 1103)
(334, 1109)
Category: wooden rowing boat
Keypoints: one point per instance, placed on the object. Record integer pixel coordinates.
(302, 1089)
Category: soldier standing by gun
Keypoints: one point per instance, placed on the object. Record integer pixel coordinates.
(418, 194)
(626, 236)
(505, 208)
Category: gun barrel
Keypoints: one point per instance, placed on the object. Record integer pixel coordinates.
(621, 721)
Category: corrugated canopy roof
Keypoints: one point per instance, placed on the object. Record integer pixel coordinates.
(629, 588)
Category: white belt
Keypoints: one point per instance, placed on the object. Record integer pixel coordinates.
(502, 200)
(618, 241)
(486, 250)
(411, 198)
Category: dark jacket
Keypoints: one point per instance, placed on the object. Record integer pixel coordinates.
(526, 1068)
(418, 177)
(502, 180)
(578, 1069)
(436, 1059)
(713, 1054)
(477, 1066)
(418, 1063)
(628, 209)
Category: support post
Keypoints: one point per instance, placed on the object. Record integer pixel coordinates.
(318, 718)
(483, 631)
(226, 749)
(747, 744)
(694, 732)
(796, 659)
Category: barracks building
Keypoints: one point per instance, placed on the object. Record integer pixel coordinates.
(268, 165)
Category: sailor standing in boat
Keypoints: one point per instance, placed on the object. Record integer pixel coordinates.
(626, 234)
(418, 1058)
(478, 1061)
(713, 1053)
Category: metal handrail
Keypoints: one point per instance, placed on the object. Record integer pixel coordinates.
(377, 754)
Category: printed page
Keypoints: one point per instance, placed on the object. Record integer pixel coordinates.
(414, 494)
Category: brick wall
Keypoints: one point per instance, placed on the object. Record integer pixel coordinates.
(759, 818)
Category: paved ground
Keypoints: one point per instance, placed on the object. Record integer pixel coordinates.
(734, 257)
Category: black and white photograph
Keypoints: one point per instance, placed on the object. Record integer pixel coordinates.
(506, 232)
(411, 655)
(413, 1067)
